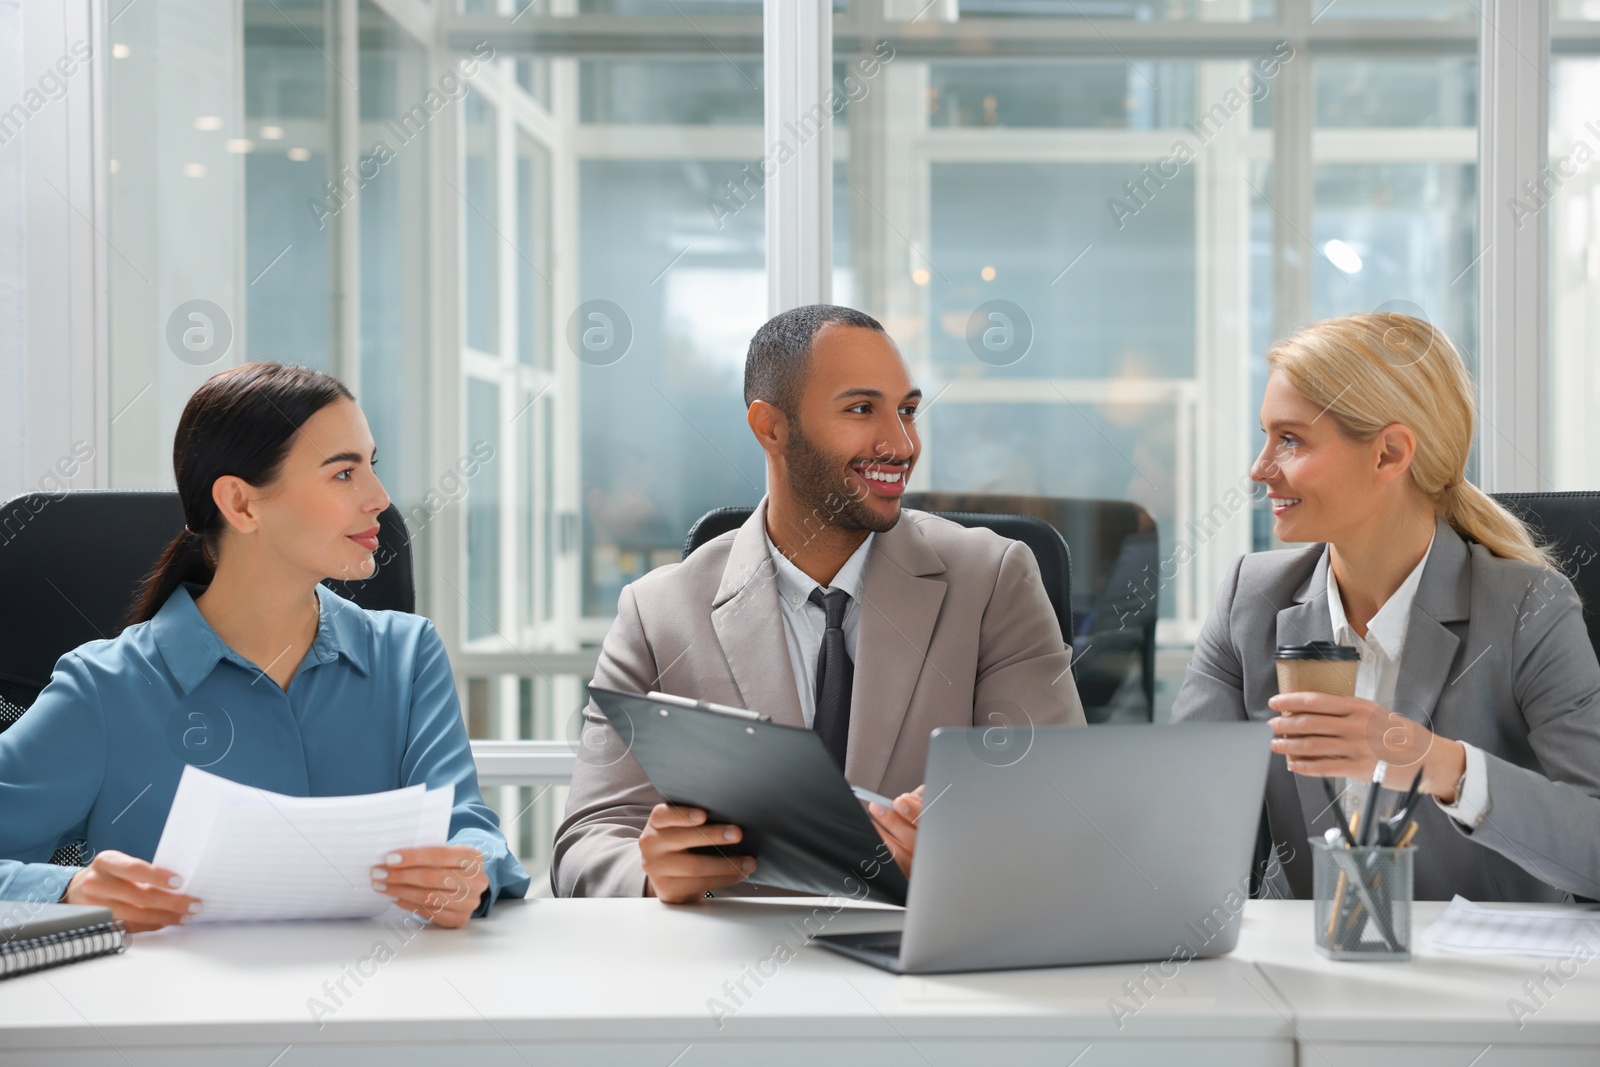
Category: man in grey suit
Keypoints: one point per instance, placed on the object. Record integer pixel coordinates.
(830, 608)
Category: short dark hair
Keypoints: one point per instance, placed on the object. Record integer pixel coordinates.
(775, 366)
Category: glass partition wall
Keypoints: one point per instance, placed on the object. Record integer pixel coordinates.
(532, 236)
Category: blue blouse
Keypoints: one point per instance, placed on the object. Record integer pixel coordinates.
(98, 756)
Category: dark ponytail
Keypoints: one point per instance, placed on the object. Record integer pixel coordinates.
(240, 423)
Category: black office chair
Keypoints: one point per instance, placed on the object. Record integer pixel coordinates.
(71, 565)
(1115, 592)
(70, 569)
(1569, 522)
(1050, 550)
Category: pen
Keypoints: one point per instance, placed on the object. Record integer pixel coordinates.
(1412, 797)
(1369, 813)
(1332, 794)
(1402, 812)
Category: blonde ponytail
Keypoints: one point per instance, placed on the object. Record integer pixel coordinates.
(1376, 369)
(1479, 517)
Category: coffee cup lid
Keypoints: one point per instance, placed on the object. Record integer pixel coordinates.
(1319, 650)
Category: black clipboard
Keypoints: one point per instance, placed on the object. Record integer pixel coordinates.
(777, 783)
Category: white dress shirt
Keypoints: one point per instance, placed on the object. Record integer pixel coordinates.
(1378, 674)
(805, 622)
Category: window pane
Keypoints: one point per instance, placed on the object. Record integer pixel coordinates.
(210, 243)
(1137, 10)
(1571, 204)
(664, 437)
(533, 253)
(1004, 231)
(480, 223)
(667, 8)
(1364, 92)
(1344, 10)
(482, 608)
(287, 207)
(1086, 95)
(393, 205)
(1398, 231)
(640, 92)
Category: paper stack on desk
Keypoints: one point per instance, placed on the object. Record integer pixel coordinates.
(249, 854)
(1470, 929)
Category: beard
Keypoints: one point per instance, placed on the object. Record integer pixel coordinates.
(820, 483)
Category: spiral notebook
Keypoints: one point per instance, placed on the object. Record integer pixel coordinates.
(34, 936)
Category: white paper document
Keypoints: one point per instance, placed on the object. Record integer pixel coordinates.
(1468, 928)
(250, 854)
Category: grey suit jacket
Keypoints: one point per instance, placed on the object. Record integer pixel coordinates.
(955, 630)
(1496, 656)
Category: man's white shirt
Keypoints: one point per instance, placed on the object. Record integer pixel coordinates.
(804, 622)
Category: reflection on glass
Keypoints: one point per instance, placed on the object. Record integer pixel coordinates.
(664, 437)
(1398, 231)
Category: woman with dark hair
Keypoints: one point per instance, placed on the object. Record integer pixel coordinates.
(239, 660)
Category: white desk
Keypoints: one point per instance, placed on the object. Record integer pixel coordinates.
(632, 983)
(623, 982)
(1438, 1010)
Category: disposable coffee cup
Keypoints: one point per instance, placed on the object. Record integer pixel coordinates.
(1318, 667)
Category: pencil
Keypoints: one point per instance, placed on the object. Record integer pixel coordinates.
(1338, 895)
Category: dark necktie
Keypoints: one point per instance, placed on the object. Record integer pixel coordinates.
(835, 673)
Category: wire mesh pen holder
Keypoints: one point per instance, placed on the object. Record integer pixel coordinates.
(1363, 901)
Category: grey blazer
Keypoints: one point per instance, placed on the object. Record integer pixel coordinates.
(1496, 656)
(955, 630)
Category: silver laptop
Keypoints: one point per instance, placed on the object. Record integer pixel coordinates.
(1078, 845)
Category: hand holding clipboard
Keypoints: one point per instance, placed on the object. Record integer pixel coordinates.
(775, 787)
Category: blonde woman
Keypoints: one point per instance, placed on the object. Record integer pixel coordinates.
(1475, 665)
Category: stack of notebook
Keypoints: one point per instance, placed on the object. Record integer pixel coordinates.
(34, 936)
